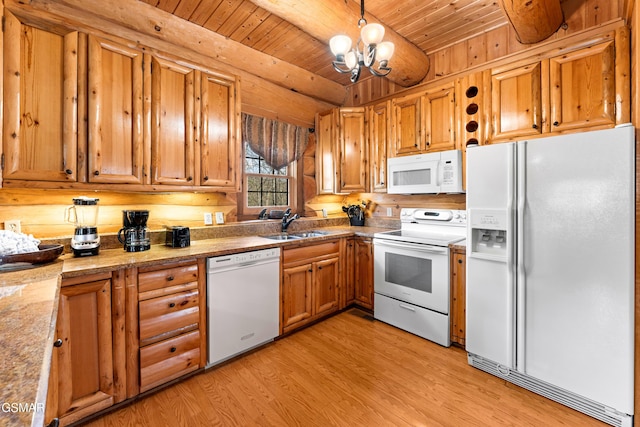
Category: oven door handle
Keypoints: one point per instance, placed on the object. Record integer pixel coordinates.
(414, 246)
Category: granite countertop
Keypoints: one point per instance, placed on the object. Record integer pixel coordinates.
(28, 309)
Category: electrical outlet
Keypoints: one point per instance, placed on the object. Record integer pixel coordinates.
(208, 218)
(324, 213)
(389, 211)
(12, 225)
(219, 218)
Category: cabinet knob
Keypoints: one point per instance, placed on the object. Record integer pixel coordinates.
(556, 123)
(96, 173)
(172, 304)
(170, 278)
(190, 178)
(54, 423)
(428, 143)
(173, 349)
(310, 271)
(68, 171)
(535, 126)
(459, 261)
(206, 178)
(319, 267)
(57, 343)
(415, 145)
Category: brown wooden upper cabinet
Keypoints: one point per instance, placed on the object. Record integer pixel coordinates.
(115, 113)
(352, 151)
(40, 109)
(86, 109)
(424, 121)
(341, 151)
(379, 134)
(567, 92)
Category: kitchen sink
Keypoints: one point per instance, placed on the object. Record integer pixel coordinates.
(282, 236)
(306, 234)
(295, 236)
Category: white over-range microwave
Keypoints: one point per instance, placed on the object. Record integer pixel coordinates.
(430, 173)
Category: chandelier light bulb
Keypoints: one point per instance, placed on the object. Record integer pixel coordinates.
(384, 51)
(340, 44)
(351, 60)
(372, 34)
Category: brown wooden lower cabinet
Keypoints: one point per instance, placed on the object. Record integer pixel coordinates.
(310, 283)
(171, 310)
(87, 348)
(359, 272)
(458, 296)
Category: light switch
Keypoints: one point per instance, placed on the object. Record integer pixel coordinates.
(219, 218)
(208, 218)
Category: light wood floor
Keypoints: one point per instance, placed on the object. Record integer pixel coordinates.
(348, 370)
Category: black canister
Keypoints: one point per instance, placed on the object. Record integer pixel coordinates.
(178, 236)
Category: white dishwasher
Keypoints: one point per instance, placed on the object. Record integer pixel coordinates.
(243, 302)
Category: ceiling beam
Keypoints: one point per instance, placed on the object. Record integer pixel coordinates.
(533, 21)
(324, 19)
(150, 26)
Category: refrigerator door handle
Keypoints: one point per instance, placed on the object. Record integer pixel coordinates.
(520, 267)
(511, 241)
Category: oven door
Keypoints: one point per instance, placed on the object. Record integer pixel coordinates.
(413, 273)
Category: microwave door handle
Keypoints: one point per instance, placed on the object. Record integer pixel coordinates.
(419, 247)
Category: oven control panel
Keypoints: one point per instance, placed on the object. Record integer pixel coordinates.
(433, 216)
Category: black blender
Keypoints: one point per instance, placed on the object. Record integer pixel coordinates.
(84, 215)
(134, 234)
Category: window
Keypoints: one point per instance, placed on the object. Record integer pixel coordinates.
(264, 186)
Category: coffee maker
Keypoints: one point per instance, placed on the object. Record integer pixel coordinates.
(134, 234)
(84, 215)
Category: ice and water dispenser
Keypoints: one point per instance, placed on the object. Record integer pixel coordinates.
(489, 233)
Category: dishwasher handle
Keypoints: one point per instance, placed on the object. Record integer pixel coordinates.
(226, 263)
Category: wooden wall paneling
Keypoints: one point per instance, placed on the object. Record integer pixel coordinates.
(458, 58)
(497, 44)
(476, 51)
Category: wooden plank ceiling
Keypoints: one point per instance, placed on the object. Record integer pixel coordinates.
(429, 24)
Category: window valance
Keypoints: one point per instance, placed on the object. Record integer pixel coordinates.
(277, 142)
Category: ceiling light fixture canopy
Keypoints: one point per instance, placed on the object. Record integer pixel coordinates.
(373, 50)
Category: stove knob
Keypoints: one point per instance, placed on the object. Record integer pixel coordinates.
(456, 216)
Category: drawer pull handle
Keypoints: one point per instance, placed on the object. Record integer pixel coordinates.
(173, 349)
(172, 304)
(170, 278)
(57, 343)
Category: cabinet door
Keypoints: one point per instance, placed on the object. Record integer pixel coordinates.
(352, 150)
(516, 104)
(583, 88)
(379, 133)
(115, 113)
(40, 103)
(440, 118)
(296, 295)
(458, 297)
(326, 285)
(220, 132)
(363, 255)
(325, 147)
(172, 123)
(85, 358)
(408, 124)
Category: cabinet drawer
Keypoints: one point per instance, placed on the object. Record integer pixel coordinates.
(152, 282)
(169, 359)
(306, 253)
(168, 315)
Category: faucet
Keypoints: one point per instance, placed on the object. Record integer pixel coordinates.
(286, 219)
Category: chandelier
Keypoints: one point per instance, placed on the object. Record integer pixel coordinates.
(368, 50)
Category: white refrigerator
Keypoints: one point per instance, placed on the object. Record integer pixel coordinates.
(550, 267)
